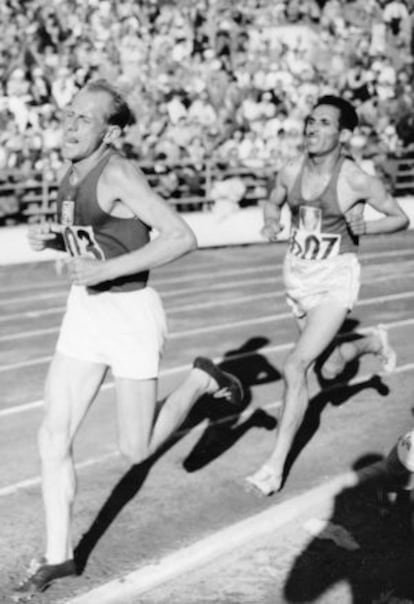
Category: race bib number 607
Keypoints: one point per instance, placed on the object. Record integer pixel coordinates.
(315, 245)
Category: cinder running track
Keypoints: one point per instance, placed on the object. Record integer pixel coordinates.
(184, 530)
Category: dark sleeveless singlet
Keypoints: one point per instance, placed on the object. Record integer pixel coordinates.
(333, 221)
(96, 233)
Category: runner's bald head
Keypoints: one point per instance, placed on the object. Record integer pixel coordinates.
(120, 113)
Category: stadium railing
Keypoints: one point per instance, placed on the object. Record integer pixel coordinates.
(31, 197)
(401, 173)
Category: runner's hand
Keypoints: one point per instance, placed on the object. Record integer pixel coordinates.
(86, 271)
(39, 235)
(271, 230)
(355, 220)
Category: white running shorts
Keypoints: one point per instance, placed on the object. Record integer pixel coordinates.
(124, 330)
(309, 283)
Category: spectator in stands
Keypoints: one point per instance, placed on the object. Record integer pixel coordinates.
(226, 192)
(63, 87)
(167, 181)
(395, 16)
(202, 111)
(207, 63)
(195, 152)
(52, 134)
(3, 156)
(40, 89)
(359, 81)
(405, 129)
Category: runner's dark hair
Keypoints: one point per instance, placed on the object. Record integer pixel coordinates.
(348, 117)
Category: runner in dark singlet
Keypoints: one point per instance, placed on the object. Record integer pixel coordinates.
(113, 319)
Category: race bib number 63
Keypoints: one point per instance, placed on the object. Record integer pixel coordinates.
(81, 241)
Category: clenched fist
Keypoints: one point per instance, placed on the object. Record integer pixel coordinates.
(355, 219)
(86, 271)
(271, 229)
(41, 235)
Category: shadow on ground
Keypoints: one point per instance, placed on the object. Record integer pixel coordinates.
(226, 424)
(225, 427)
(377, 569)
(335, 395)
(335, 392)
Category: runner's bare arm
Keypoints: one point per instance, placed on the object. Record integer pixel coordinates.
(273, 207)
(122, 181)
(372, 190)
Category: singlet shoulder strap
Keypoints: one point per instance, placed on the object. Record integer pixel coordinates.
(297, 183)
(336, 171)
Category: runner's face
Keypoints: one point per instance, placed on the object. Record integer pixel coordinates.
(85, 125)
(322, 133)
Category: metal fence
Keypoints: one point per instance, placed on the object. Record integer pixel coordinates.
(31, 197)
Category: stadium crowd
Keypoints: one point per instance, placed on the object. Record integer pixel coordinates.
(206, 79)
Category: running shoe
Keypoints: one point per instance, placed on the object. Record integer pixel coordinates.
(264, 482)
(226, 381)
(386, 353)
(40, 576)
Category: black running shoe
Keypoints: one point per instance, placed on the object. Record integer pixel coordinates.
(40, 576)
(226, 381)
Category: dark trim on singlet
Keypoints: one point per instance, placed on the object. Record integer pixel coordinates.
(113, 236)
(333, 220)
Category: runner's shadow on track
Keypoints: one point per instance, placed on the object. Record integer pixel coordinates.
(251, 368)
(366, 546)
(336, 395)
(226, 425)
(125, 490)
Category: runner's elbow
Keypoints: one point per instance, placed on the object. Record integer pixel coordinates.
(187, 239)
(405, 223)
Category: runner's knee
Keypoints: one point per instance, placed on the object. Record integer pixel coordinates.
(53, 442)
(295, 368)
(133, 452)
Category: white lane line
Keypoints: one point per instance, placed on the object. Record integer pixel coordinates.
(33, 405)
(230, 539)
(163, 373)
(278, 317)
(52, 284)
(170, 309)
(263, 296)
(29, 334)
(47, 359)
(35, 314)
(31, 298)
(167, 294)
(31, 314)
(25, 364)
(226, 302)
(156, 282)
(217, 286)
(35, 481)
(180, 278)
(215, 328)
